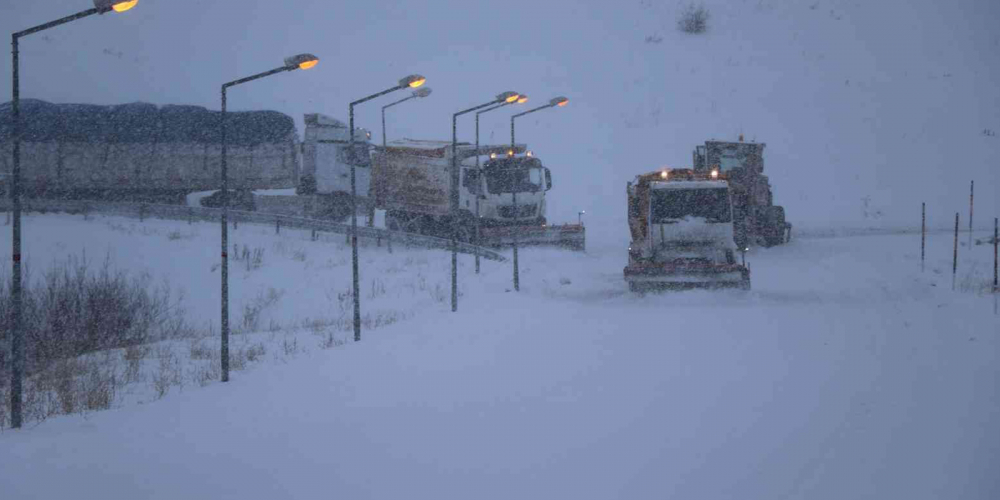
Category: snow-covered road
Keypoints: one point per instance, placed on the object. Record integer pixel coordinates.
(845, 373)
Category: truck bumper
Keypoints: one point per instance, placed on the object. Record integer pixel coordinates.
(642, 277)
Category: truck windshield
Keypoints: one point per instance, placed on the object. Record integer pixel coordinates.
(676, 204)
(730, 159)
(509, 175)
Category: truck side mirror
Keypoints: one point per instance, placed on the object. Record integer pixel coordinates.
(548, 179)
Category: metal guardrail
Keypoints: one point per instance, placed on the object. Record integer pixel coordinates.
(185, 213)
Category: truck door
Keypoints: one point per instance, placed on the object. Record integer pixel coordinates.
(333, 168)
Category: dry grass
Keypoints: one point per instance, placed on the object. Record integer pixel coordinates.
(977, 279)
(693, 19)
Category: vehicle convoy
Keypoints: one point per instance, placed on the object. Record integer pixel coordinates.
(681, 223)
(411, 181)
(756, 219)
(148, 153)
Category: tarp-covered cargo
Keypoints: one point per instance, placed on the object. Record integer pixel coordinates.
(141, 148)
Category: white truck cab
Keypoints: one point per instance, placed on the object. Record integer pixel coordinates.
(682, 233)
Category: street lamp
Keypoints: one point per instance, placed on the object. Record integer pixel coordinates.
(508, 97)
(301, 61)
(579, 217)
(17, 336)
(421, 92)
(412, 81)
(520, 100)
(557, 101)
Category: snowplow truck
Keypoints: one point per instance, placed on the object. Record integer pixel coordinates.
(757, 221)
(681, 222)
(411, 181)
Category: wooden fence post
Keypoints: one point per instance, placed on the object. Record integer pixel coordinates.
(996, 243)
(923, 233)
(972, 194)
(954, 262)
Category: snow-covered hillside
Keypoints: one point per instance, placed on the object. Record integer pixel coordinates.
(845, 373)
(886, 100)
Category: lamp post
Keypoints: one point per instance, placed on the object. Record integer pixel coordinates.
(557, 101)
(421, 92)
(412, 81)
(504, 98)
(17, 336)
(579, 217)
(479, 175)
(301, 61)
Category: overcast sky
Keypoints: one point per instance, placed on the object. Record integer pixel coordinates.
(882, 99)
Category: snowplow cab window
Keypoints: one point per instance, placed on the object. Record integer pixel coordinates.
(730, 158)
(361, 155)
(507, 175)
(669, 205)
(470, 179)
(535, 176)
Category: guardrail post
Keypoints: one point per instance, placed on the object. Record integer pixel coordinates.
(277, 225)
(236, 222)
(314, 234)
(190, 215)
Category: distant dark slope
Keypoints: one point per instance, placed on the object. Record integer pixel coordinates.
(144, 152)
(142, 122)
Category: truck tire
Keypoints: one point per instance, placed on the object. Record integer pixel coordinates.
(392, 221)
(412, 224)
(332, 207)
(774, 228)
(465, 234)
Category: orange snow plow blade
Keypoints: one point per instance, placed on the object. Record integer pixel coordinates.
(571, 236)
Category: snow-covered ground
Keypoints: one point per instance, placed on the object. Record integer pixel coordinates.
(845, 373)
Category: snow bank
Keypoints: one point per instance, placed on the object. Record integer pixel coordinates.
(846, 373)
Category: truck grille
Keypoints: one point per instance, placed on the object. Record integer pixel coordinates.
(523, 211)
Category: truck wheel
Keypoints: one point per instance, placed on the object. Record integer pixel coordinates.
(392, 222)
(334, 209)
(465, 235)
(775, 226)
(412, 225)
